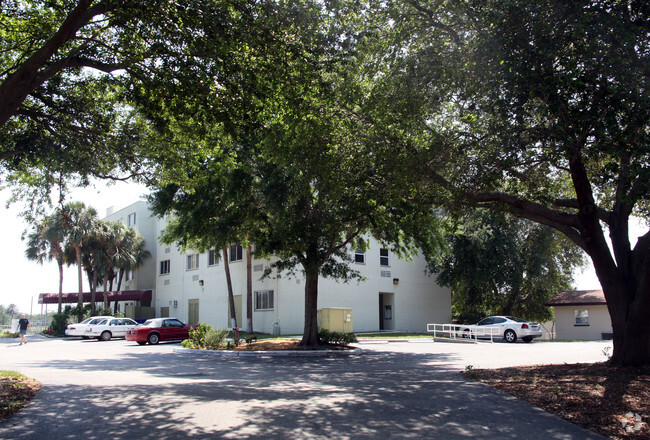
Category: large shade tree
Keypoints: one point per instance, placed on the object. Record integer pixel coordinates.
(294, 164)
(541, 110)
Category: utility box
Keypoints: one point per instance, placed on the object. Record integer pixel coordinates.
(336, 319)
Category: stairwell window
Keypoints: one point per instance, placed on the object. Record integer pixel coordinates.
(264, 300)
(213, 257)
(192, 261)
(236, 253)
(384, 259)
(359, 256)
(164, 267)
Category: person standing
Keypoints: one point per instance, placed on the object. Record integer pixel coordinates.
(23, 324)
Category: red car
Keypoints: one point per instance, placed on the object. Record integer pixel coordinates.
(159, 329)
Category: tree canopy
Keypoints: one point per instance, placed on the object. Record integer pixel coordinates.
(499, 265)
(545, 115)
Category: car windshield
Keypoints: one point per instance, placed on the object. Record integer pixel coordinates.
(149, 323)
(86, 321)
(97, 321)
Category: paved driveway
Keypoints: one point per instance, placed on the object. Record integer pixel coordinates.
(119, 390)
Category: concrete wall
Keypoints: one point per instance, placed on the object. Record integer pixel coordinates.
(599, 322)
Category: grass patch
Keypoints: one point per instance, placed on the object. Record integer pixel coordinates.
(16, 391)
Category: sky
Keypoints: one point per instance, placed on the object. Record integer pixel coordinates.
(23, 280)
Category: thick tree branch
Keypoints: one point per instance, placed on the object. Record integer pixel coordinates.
(29, 76)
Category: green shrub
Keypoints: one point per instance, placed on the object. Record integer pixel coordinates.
(59, 323)
(336, 338)
(197, 336)
(214, 338)
(8, 334)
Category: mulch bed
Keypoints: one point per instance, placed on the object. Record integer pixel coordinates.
(285, 344)
(612, 401)
(15, 393)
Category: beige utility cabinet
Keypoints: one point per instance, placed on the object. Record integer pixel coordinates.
(336, 319)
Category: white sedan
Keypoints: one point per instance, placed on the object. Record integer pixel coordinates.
(507, 328)
(110, 327)
(79, 329)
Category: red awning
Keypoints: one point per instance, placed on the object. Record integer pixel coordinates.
(73, 298)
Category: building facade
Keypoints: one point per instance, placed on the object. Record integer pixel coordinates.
(581, 314)
(395, 295)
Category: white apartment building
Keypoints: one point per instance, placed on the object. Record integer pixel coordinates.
(396, 294)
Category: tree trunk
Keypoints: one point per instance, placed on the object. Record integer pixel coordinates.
(93, 291)
(231, 296)
(249, 290)
(60, 300)
(105, 290)
(629, 310)
(80, 302)
(119, 279)
(310, 334)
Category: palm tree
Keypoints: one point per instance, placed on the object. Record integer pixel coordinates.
(133, 254)
(45, 243)
(78, 221)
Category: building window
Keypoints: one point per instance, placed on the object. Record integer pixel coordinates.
(359, 256)
(192, 261)
(130, 275)
(213, 257)
(131, 220)
(164, 267)
(236, 253)
(384, 260)
(581, 317)
(264, 300)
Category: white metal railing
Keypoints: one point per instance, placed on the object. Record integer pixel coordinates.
(466, 332)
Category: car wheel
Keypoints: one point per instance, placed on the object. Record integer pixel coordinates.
(153, 338)
(527, 339)
(141, 342)
(466, 334)
(106, 336)
(510, 336)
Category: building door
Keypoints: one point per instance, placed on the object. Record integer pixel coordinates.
(386, 311)
(193, 311)
(164, 312)
(238, 310)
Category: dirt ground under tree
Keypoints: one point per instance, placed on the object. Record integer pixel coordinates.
(612, 401)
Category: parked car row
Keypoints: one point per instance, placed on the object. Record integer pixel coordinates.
(152, 331)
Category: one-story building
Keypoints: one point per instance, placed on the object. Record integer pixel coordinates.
(581, 314)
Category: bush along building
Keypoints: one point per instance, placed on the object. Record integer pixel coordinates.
(396, 295)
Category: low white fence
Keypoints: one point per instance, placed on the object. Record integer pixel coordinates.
(468, 333)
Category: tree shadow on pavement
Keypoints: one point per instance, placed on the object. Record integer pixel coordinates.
(390, 395)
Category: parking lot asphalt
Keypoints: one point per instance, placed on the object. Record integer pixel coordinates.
(402, 390)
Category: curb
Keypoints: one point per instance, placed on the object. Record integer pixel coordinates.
(278, 353)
